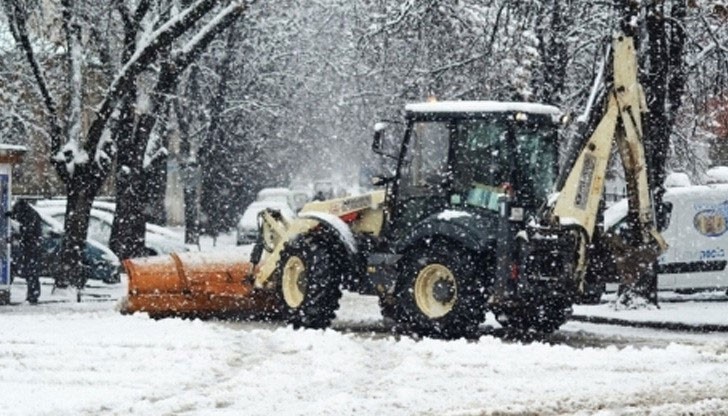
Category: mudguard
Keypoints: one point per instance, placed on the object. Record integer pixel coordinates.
(336, 227)
(474, 232)
(350, 262)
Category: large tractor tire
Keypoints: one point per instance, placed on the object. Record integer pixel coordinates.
(310, 281)
(439, 292)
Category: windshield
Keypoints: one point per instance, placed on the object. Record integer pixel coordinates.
(474, 160)
(487, 160)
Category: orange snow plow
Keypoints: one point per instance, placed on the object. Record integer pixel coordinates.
(195, 284)
(234, 284)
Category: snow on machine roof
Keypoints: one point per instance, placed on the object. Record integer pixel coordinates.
(482, 107)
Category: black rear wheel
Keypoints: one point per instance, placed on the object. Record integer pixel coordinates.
(438, 291)
(310, 281)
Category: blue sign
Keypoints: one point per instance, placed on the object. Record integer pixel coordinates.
(4, 230)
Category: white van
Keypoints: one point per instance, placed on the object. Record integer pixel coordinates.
(697, 235)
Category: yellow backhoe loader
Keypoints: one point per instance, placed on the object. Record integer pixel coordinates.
(468, 222)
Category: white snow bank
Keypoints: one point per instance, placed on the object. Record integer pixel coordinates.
(718, 174)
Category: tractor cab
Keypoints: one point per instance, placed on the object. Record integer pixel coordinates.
(462, 156)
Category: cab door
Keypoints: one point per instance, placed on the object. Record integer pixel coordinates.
(424, 175)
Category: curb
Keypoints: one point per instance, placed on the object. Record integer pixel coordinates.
(673, 326)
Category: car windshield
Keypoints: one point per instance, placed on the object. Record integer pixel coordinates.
(99, 230)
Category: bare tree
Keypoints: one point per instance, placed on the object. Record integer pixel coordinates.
(142, 113)
(83, 142)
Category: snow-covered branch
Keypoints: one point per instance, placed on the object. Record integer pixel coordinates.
(207, 33)
(17, 19)
(158, 40)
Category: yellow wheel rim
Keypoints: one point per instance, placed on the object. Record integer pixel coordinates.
(435, 290)
(293, 282)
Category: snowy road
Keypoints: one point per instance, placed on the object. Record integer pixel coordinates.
(70, 359)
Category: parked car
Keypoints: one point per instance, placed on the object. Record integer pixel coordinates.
(274, 194)
(247, 229)
(324, 189)
(298, 198)
(99, 262)
(157, 240)
(697, 234)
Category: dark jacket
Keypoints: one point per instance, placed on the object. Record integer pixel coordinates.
(27, 261)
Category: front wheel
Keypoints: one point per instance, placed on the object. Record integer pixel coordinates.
(438, 292)
(310, 281)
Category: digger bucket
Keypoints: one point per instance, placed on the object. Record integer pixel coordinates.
(195, 284)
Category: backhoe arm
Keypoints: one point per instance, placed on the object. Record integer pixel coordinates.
(579, 198)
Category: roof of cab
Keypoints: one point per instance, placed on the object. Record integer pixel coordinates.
(482, 107)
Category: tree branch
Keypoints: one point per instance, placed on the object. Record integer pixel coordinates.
(18, 24)
(159, 40)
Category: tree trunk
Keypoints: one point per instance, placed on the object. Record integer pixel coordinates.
(81, 194)
(156, 183)
(554, 52)
(132, 189)
(189, 169)
(657, 130)
(663, 81)
(192, 223)
(155, 171)
(128, 228)
(215, 192)
(129, 224)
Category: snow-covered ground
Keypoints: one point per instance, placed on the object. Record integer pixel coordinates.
(70, 359)
(66, 358)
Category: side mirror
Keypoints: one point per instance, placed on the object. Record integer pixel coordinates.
(379, 129)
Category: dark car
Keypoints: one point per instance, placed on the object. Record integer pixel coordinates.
(99, 263)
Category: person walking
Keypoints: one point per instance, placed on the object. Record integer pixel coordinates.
(27, 261)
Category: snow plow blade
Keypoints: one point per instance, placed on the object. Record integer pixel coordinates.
(195, 285)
